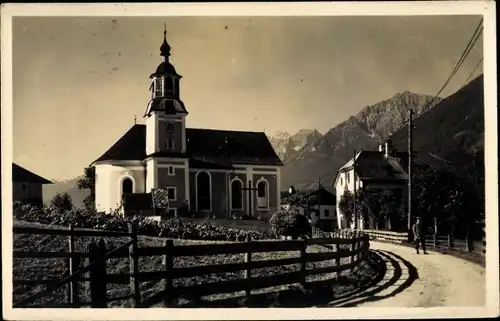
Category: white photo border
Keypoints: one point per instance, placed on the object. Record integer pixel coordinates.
(485, 8)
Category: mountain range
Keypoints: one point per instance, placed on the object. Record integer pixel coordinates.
(326, 154)
(286, 144)
(453, 128)
(65, 186)
(447, 128)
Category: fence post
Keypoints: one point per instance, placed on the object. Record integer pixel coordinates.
(357, 246)
(134, 268)
(352, 247)
(248, 270)
(336, 247)
(303, 262)
(97, 254)
(168, 265)
(74, 264)
(449, 241)
(468, 241)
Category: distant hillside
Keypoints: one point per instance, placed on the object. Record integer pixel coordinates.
(67, 186)
(454, 126)
(326, 154)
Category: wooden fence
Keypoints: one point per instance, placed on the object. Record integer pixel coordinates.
(448, 242)
(77, 273)
(396, 237)
(342, 234)
(97, 256)
(431, 240)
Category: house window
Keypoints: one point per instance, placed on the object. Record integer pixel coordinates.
(262, 195)
(348, 177)
(172, 212)
(159, 87)
(171, 193)
(236, 195)
(341, 181)
(171, 171)
(327, 212)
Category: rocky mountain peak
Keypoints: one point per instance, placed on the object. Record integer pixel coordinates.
(325, 154)
(286, 144)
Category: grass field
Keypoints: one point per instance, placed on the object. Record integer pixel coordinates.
(57, 268)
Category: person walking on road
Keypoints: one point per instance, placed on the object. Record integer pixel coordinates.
(418, 235)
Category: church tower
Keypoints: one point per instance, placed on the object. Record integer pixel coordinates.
(165, 114)
(166, 162)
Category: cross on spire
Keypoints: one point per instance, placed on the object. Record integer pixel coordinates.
(165, 47)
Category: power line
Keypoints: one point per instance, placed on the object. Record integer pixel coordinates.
(473, 71)
(470, 45)
(465, 53)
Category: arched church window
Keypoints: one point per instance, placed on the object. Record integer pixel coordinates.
(236, 195)
(158, 87)
(262, 195)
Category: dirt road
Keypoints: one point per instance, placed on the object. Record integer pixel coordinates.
(412, 280)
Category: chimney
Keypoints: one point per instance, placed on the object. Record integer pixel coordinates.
(388, 148)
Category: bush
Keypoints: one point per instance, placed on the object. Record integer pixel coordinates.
(290, 223)
(170, 228)
(62, 202)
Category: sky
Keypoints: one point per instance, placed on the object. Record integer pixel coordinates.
(78, 83)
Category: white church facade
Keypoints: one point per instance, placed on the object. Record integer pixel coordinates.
(219, 173)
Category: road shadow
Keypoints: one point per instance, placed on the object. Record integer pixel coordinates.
(316, 293)
(394, 261)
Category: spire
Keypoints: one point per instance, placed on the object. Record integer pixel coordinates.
(165, 47)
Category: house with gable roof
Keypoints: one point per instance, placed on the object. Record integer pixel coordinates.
(216, 172)
(318, 205)
(384, 169)
(27, 187)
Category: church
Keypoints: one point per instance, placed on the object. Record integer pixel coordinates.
(216, 173)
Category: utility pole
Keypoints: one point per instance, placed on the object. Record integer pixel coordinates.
(410, 172)
(355, 215)
(319, 197)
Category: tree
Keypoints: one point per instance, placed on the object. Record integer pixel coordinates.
(392, 204)
(372, 207)
(379, 209)
(87, 182)
(346, 206)
(290, 223)
(452, 195)
(62, 202)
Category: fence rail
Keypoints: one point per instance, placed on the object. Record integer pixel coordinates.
(398, 237)
(97, 255)
(431, 240)
(448, 242)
